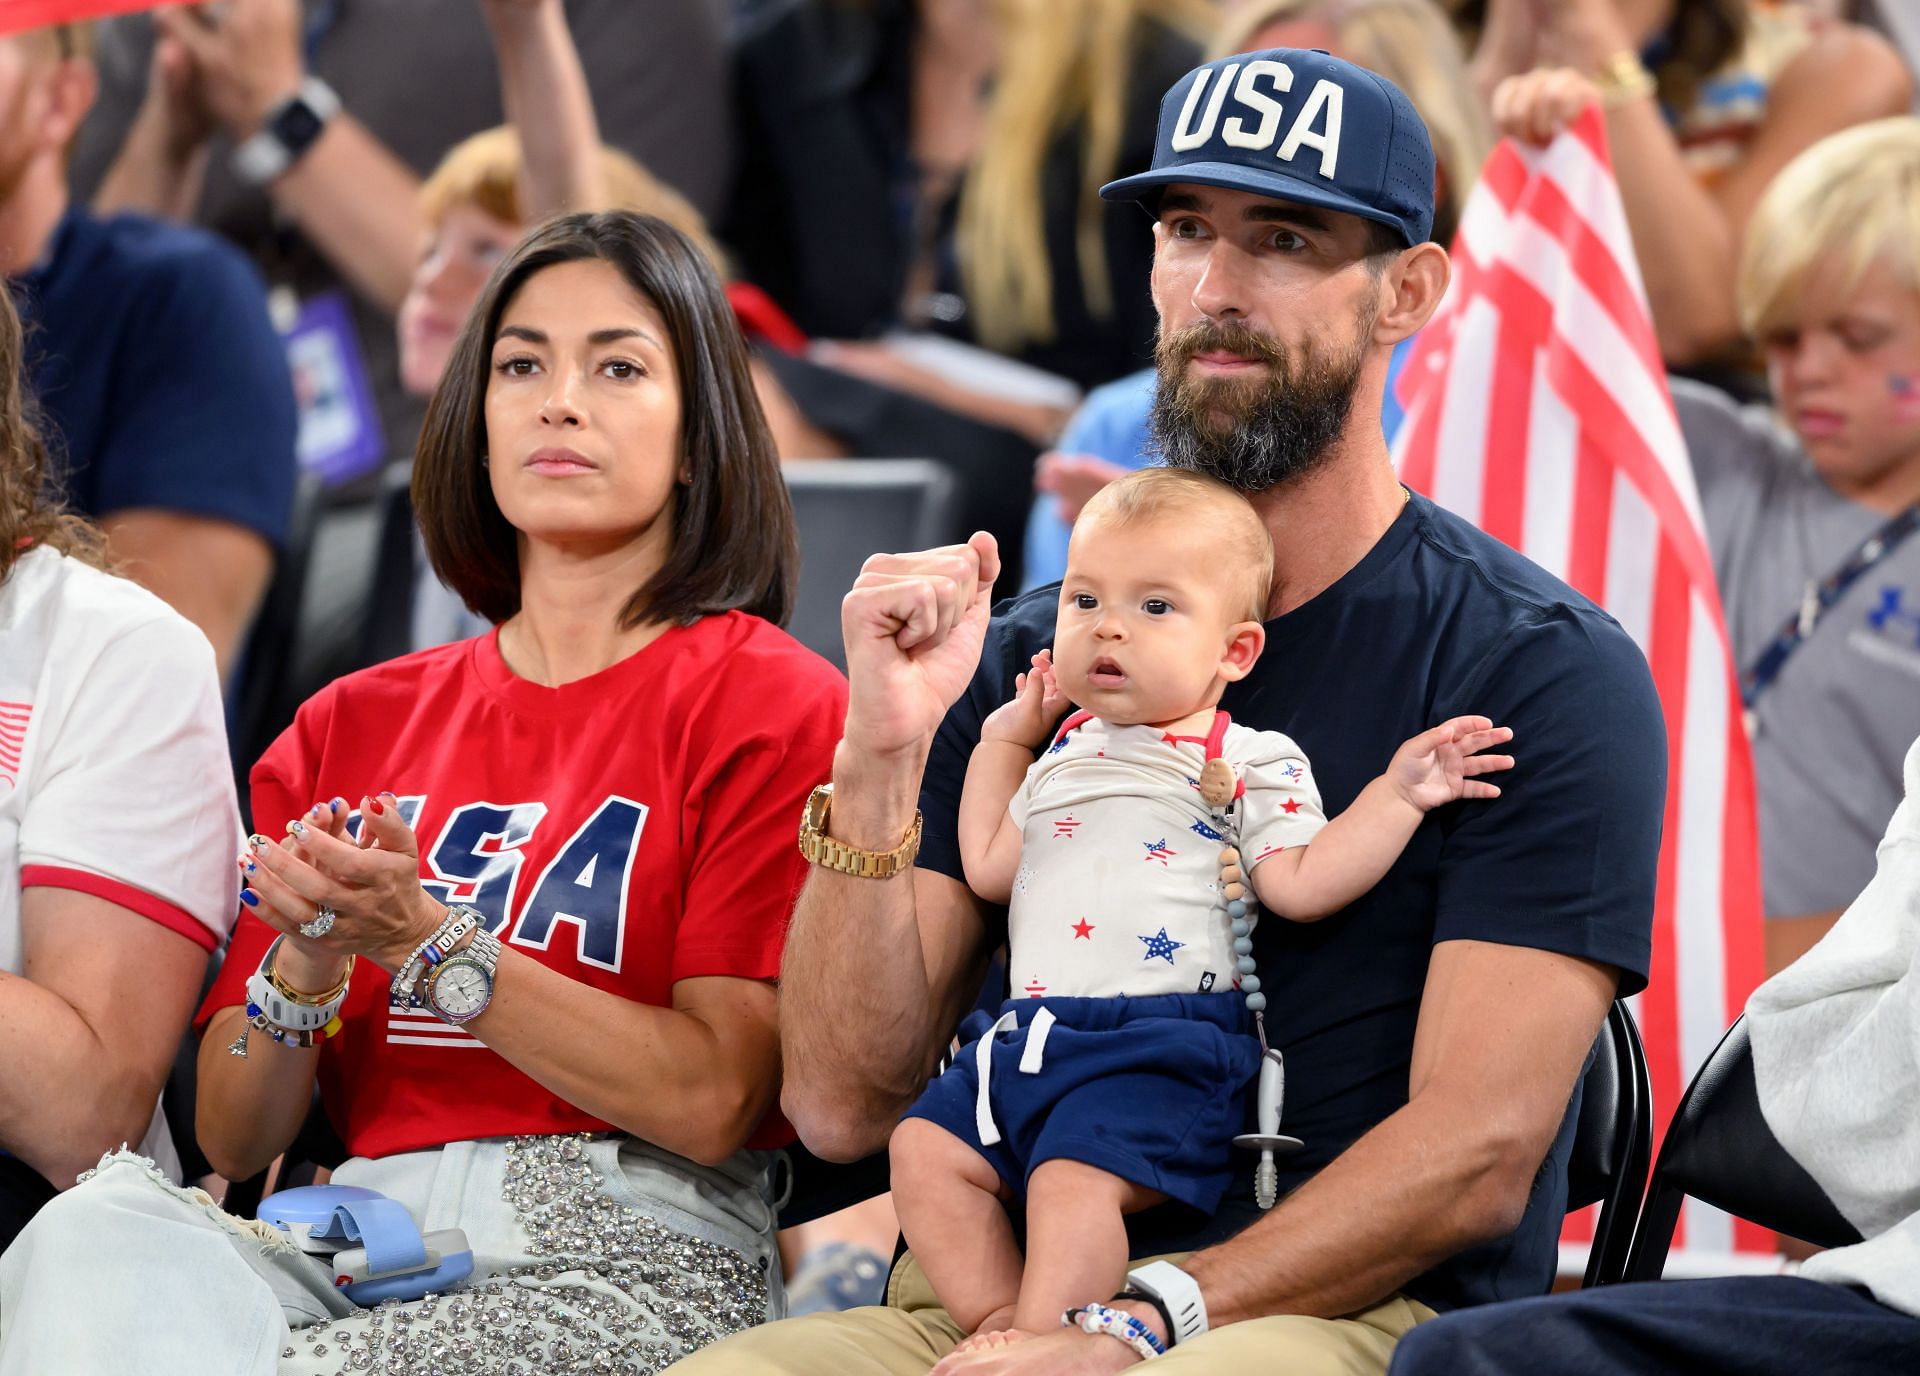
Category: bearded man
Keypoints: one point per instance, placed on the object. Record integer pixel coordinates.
(1435, 1032)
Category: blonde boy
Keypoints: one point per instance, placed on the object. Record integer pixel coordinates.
(1121, 1077)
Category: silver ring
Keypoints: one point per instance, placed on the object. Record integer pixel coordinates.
(322, 923)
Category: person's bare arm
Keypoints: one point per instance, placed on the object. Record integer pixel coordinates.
(914, 946)
(543, 89)
(1503, 1034)
(88, 1031)
(212, 572)
(989, 840)
(1354, 851)
(349, 194)
(162, 164)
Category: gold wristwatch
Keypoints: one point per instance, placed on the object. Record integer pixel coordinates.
(821, 849)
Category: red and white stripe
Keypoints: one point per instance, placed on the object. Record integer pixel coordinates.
(1537, 407)
(14, 719)
(419, 1027)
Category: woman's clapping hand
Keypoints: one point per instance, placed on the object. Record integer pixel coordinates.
(371, 884)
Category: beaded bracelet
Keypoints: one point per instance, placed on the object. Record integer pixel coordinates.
(456, 924)
(1116, 1323)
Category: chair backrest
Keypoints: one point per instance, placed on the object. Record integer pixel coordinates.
(1612, 1143)
(847, 509)
(263, 702)
(1719, 1149)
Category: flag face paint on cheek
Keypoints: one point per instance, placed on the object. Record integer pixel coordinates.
(1904, 388)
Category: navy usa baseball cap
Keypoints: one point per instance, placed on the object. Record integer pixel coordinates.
(1295, 125)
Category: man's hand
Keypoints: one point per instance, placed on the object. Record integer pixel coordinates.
(1073, 479)
(1443, 764)
(175, 105)
(913, 627)
(248, 56)
(1037, 704)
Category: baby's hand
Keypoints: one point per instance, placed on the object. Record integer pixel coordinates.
(1445, 763)
(1037, 704)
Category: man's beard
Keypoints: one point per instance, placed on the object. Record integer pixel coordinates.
(1253, 434)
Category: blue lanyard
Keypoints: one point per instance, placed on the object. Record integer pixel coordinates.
(1815, 602)
(322, 15)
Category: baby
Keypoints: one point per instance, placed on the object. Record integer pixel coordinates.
(1119, 1079)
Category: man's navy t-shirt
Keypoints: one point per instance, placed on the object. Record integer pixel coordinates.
(1438, 620)
(161, 380)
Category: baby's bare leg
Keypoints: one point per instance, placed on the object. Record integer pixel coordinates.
(949, 1201)
(1076, 1239)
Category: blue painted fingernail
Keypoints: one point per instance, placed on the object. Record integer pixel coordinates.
(337, 805)
(250, 898)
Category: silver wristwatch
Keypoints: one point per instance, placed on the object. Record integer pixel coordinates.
(1178, 1295)
(461, 986)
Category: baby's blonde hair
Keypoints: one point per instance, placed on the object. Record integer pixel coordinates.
(1848, 201)
(1244, 550)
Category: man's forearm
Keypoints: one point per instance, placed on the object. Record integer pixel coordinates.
(1417, 1189)
(358, 203)
(857, 1004)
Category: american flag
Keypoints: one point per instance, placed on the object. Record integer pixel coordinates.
(1537, 407)
(14, 717)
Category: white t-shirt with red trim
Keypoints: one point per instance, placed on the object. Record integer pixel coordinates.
(114, 776)
(628, 830)
(1118, 890)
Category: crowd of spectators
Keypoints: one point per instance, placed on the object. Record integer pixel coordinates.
(272, 262)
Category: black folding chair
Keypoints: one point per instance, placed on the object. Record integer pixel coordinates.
(1719, 1149)
(1612, 1143)
(847, 509)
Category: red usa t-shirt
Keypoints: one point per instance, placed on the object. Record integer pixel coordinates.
(628, 830)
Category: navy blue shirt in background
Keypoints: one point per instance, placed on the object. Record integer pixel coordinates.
(1438, 620)
(161, 381)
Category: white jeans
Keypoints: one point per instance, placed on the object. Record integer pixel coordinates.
(591, 1256)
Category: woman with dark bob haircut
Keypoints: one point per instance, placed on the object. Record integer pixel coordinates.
(523, 925)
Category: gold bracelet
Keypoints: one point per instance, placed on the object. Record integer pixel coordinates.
(1623, 79)
(293, 995)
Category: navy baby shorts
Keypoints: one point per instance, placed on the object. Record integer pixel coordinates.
(1149, 1089)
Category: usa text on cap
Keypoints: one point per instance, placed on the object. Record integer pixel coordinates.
(1295, 125)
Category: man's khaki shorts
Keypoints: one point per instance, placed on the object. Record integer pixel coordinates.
(911, 1332)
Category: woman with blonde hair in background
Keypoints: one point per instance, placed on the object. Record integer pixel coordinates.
(1406, 41)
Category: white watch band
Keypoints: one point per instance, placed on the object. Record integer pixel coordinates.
(1178, 1292)
(262, 157)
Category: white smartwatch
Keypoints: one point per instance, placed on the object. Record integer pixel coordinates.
(1177, 1295)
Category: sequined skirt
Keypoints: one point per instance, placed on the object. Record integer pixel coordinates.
(590, 1256)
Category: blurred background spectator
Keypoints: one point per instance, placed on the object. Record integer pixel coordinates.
(116, 820)
(1811, 504)
(1408, 42)
(166, 397)
(1706, 100)
(919, 174)
(360, 98)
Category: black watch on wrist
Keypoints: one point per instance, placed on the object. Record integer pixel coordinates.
(294, 126)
